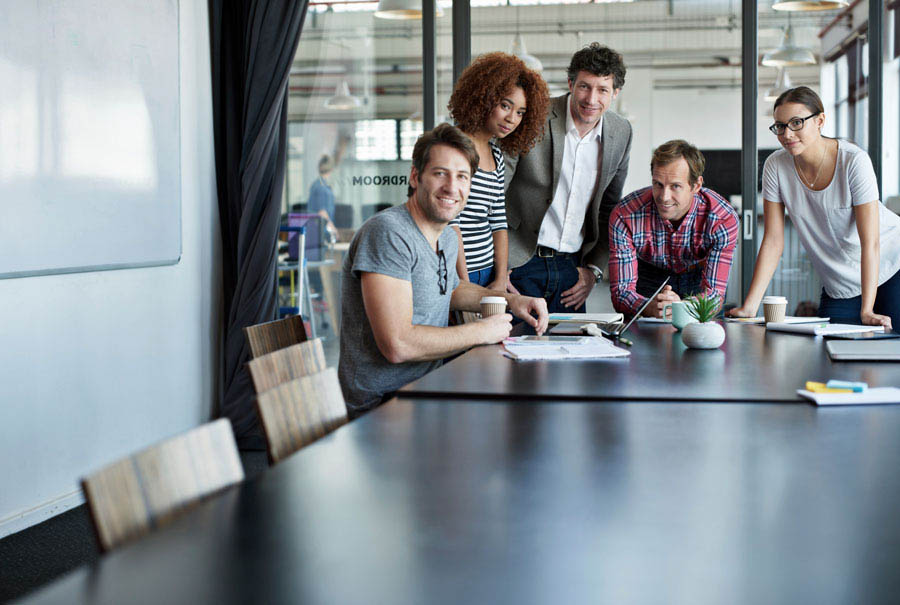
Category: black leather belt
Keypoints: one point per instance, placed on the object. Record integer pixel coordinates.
(545, 252)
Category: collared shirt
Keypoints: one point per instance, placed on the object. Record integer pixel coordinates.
(563, 226)
(707, 235)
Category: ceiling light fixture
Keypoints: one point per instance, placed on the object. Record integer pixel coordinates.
(342, 99)
(788, 54)
(403, 9)
(808, 5)
(519, 50)
(782, 84)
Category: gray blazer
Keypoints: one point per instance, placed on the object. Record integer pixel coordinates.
(531, 181)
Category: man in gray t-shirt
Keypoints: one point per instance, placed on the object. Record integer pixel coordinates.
(397, 290)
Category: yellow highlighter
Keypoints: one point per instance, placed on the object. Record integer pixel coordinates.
(819, 387)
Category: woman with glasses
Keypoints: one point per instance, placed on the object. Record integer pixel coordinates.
(501, 105)
(829, 189)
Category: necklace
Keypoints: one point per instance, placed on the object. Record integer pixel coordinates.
(818, 170)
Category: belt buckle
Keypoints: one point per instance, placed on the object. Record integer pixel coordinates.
(545, 252)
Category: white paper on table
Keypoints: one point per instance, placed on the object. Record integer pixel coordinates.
(790, 319)
(821, 329)
(595, 348)
(548, 340)
(869, 396)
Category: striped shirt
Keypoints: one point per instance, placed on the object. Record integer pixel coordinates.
(707, 236)
(485, 212)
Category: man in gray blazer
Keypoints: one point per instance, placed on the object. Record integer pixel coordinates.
(560, 194)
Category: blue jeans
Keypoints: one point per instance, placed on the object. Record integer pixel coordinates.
(482, 277)
(846, 310)
(547, 278)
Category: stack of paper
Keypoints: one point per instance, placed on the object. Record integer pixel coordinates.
(789, 319)
(591, 348)
(820, 329)
(869, 396)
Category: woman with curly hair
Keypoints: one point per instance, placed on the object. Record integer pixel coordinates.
(502, 106)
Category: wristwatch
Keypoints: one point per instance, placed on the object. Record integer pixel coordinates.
(598, 274)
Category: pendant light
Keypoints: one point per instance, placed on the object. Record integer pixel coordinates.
(342, 99)
(788, 54)
(403, 9)
(782, 84)
(518, 49)
(809, 5)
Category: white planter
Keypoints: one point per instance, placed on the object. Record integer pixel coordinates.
(709, 335)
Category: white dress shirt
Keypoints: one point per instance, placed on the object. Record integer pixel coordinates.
(563, 226)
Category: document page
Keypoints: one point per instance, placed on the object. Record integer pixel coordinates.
(592, 348)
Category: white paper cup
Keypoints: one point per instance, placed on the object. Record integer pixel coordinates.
(774, 308)
(492, 305)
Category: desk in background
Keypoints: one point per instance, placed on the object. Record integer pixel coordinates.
(752, 365)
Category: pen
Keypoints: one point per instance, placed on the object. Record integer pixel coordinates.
(856, 387)
(625, 341)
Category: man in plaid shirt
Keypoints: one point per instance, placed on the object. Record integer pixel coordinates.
(676, 228)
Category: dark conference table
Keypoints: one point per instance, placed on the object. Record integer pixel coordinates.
(752, 365)
(543, 502)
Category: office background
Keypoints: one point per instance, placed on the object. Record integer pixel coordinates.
(98, 364)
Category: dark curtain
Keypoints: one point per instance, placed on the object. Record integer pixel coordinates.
(253, 45)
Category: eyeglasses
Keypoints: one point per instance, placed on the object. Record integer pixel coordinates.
(442, 272)
(794, 124)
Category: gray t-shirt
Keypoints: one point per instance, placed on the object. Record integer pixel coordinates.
(391, 244)
(824, 219)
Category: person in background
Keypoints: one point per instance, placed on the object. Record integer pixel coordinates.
(321, 196)
(397, 290)
(676, 228)
(829, 189)
(501, 105)
(559, 195)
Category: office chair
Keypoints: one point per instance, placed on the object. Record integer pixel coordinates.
(298, 412)
(295, 361)
(143, 491)
(273, 335)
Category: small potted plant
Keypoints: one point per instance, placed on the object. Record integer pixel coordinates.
(706, 333)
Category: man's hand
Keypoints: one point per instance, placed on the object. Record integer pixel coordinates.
(495, 328)
(575, 296)
(874, 319)
(532, 310)
(655, 308)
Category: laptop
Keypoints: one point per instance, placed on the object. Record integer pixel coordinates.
(618, 332)
(863, 350)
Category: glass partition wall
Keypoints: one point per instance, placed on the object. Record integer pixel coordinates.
(355, 100)
(356, 92)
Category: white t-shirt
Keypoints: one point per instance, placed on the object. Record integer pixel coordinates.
(824, 219)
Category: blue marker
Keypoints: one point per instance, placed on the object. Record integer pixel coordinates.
(856, 387)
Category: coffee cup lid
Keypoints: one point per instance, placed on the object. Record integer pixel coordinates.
(774, 300)
(487, 300)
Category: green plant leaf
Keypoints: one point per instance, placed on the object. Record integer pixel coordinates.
(703, 307)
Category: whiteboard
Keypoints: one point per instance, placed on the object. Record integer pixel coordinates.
(90, 157)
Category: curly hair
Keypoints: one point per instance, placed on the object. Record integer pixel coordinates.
(599, 60)
(481, 87)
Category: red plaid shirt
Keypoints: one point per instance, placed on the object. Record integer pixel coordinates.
(707, 235)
